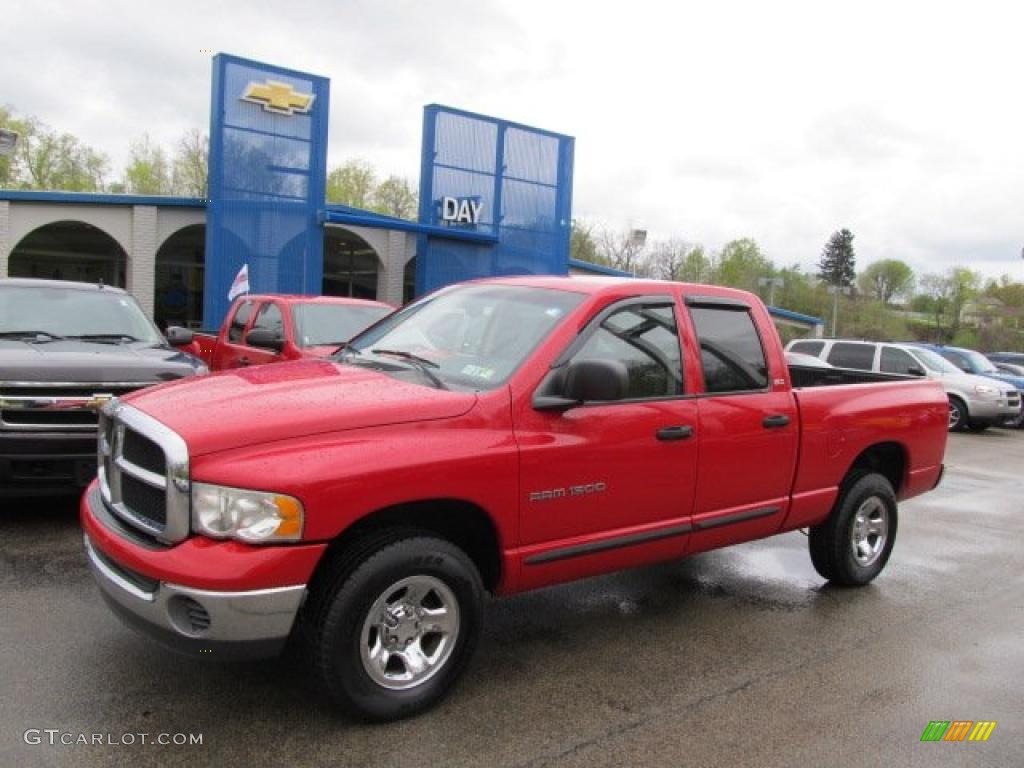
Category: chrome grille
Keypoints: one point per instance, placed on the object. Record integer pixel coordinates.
(143, 472)
(67, 406)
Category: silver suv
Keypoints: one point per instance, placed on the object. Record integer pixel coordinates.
(975, 402)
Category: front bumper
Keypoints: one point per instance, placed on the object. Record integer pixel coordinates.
(215, 625)
(223, 624)
(43, 463)
(992, 412)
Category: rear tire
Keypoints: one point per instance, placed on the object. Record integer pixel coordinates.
(957, 415)
(393, 631)
(853, 545)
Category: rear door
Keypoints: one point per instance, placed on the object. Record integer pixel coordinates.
(748, 428)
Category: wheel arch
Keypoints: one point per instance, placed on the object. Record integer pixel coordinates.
(465, 524)
(888, 459)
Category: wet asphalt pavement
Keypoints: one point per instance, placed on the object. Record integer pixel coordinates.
(740, 657)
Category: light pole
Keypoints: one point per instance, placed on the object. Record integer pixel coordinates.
(8, 140)
(772, 283)
(835, 290)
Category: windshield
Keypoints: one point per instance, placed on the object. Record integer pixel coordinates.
(979, 363)
(73, 313)
(471, 337)
(934, 362)
(333, 324)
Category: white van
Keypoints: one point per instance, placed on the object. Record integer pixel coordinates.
(975, 402)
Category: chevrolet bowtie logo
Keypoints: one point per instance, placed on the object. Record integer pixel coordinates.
(277, 97)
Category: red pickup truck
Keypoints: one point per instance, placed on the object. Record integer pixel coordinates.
(271, 328)
(493, 437)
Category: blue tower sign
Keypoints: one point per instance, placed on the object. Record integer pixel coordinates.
(491, 177)
(267, 173)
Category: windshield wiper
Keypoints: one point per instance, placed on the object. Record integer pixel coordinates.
(119, 338)
(406, 355)
(422, 364)
(27, 335)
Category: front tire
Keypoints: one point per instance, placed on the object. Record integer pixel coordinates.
(853, 545)
(395, 633)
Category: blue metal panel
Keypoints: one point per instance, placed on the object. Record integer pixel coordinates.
(521, 179)
(94, 198)
(266, 182)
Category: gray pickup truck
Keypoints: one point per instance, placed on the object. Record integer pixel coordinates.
(65, 349)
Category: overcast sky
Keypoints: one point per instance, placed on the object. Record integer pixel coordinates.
(781, 121)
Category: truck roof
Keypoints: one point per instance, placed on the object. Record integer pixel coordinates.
(298, 298)
(598, 284)
(38, 282)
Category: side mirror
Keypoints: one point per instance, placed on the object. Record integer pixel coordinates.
(178, 336)
(916, 371)
(264, 338)
(587, 381)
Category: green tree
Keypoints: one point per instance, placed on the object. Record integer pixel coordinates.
(45, 159)
(887, 279)
(582, 244)
(191, 159)
(697, 267)
(148, 172)
(352, 183)
(395, 197)
(9, 163)
(741, 263)
(837, 263)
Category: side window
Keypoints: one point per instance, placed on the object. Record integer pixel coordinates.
(897, 361)
(730, 350)
(845, 354)
(812, 348)
(956, 359)
(269, 318)
(239, 321)
(646, 339)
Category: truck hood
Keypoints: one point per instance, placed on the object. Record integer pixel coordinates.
(89, 362)
(252, 406)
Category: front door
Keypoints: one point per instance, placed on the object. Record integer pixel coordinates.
(606, 485)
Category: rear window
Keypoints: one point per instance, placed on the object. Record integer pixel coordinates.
(812, 348)
(848, 355)
(730, 350)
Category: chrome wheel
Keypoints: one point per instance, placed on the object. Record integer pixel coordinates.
(869, 531)
(409, 632)
(956, 415)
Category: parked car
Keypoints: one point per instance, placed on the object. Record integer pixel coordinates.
(1014, 358)
(495, 436)
(1010, 368)
(65, 349)
(975, 402)
(271, 328)
(970, 361)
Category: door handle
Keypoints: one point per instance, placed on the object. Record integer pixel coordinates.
(774, 422)
(674, 433)
(244, 361)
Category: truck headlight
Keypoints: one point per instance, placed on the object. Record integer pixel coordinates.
(984, 389)
(251, 516)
